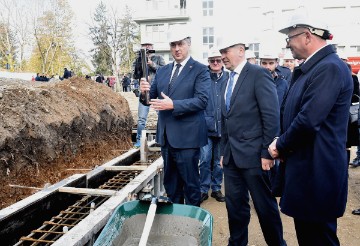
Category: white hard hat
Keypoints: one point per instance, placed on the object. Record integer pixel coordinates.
(177, 33)
(230, 40)
(268, 55)
(146, 41)
(288, 56)
(301, 18)
(214, 52)
(249, 54)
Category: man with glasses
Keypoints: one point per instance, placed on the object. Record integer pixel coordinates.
(211, 174)
(250, 121)
(180, 93)
(312, 143)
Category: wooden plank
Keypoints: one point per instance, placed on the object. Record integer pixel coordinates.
(155, 149)
(85, 191)
(127, 168)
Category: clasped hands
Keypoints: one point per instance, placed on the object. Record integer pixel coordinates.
(267, 164)
(158, 104)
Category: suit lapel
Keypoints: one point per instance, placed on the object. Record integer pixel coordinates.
(239, 82)
(166, 79)
(188, 66)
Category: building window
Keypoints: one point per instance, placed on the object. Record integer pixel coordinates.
(156, 33)
(355, 49)
(254, 47)
(208, 7)
(208, 37)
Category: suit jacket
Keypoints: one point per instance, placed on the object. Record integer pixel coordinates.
(315, 115)
(253, 120)
(185, 125)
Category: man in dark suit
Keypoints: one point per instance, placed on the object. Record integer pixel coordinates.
(180, 93)
(315, 115)
(250, 121)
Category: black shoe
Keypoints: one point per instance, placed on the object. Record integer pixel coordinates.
(204, 196)
(356, 212)
(218, 196)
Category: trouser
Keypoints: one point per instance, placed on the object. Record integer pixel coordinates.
(143, 112)
(211, 173)
(311, 233)
(181, 174)
(238, 183)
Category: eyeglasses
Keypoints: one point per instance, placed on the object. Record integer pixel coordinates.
(215, 60)
(293, 36)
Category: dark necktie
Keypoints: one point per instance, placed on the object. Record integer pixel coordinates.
(229, 91)
(175, 75)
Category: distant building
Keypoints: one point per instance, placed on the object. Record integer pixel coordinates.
(256, 21)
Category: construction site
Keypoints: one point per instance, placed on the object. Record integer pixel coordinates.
(67, 162)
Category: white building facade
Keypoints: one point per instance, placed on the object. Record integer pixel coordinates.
(255, 21)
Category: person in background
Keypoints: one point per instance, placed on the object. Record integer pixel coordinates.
(37, 77)
(211, 173)
(353, 129)
(312, 142)
(289, 61)
(125, 83)
(285, 72)
(180, 94)
(250, 56)
(67, 73)
(100, 78)
(269, 60)
(154, 63)
(250, 120)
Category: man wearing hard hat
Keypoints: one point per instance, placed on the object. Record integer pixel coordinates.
(154, 62)
(289, 61)
(250, 121)
(211, 174)
(314, 117)
(250, 56)
(180, 93)
(269, 60)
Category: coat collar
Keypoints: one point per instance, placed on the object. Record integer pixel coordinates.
(325, 51)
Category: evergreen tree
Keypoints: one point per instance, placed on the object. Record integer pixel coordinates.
(99, 33)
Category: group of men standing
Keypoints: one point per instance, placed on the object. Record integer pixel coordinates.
(240, 121)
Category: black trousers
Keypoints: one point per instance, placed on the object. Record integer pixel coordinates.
(238, 183)
(181, 174)
(311, 233)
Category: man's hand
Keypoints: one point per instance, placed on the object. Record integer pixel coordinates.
(266, 164)
(221, 161)
(162, 104)
(273, 150)
(144, 86)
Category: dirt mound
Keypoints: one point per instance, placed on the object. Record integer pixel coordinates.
(47, 128)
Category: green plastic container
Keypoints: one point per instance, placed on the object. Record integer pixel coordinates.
(174, 219)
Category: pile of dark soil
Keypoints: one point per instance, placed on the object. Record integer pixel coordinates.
(48, 128)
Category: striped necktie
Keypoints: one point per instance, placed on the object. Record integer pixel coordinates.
(175, 75)
(229, 91)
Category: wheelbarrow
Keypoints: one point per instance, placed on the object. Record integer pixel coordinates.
(174, 224)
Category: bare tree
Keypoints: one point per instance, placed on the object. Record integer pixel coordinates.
(52, 32)
(21, 25)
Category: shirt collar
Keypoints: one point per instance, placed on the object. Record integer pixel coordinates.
(315, 53)
(240, 67)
